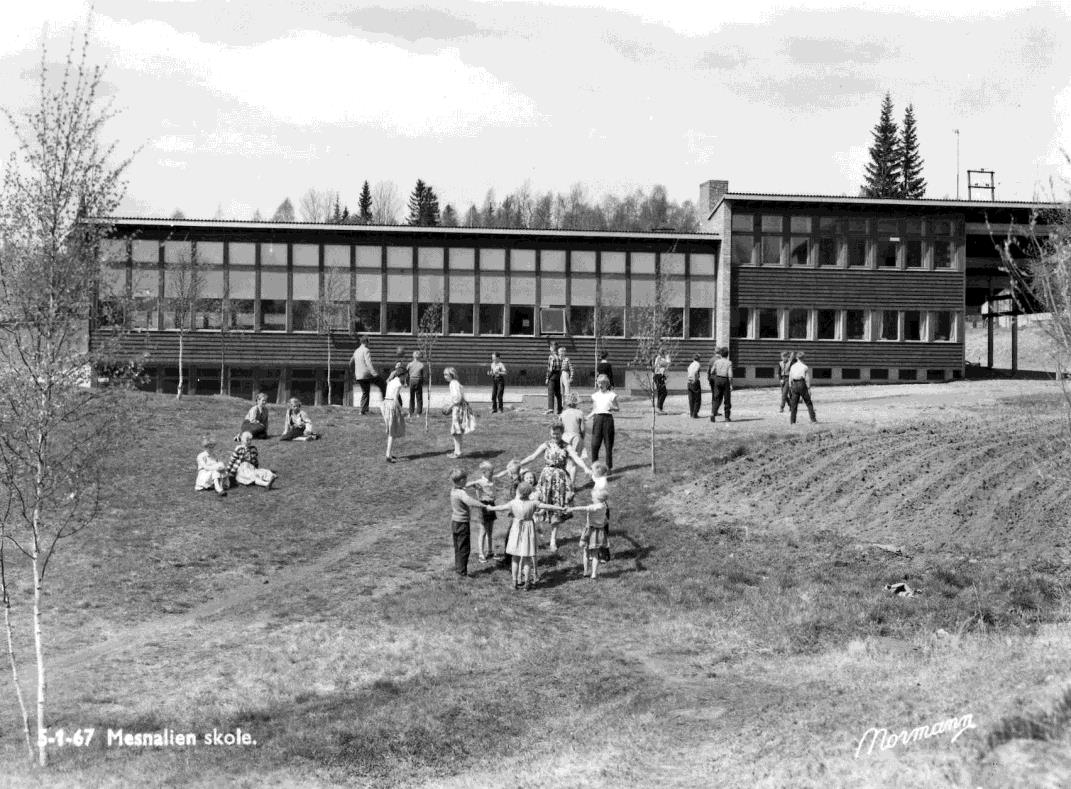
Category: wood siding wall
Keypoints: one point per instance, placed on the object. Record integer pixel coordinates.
(847, 289)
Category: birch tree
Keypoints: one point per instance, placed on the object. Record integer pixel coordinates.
(184, 289)
(655, 328)
(429, 330)
(55, 433)
(330, 305)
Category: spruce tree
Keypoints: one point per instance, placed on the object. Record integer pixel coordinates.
(449, 216)
(364, 205)
(883, 169)
(416, 202)
(285, 212)
(429, 209)
(912, 184)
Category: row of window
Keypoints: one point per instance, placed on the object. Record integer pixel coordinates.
(867, 325)
(857, 374)
(401, 257)
(391, 318)
(842, 242)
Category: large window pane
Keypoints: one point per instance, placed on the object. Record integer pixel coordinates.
(827, 251)
(672, 264)
(700, 322)
(613, 263)
(492, 287)
(912, 325)
(702, 265)
(400, 317)
(430, 287)
(583, 286)
(522, 288)
(273, 254)
(490, 259)
(147, 251)
(273, 314)
(399, 258)
(855, 325)
(743, 248)
(799, 224)
(942, 254)
(552, 260)
(178, 252)
(366, 319)
(799, 255)
(113, 250)
(209, 314)
(306, 286)
(521, 320)
(522, 260)
(306, 255)
(942, 326)
(241, 313)
(743, 222)
(675, 322)
(612, 322)
(491, 318)
(243, 283)
(430, 258)
(582, 321)
(856, 252)
(740, 323)
(772, 224)
(886, 253)
(460, 318)
(890, 329)
(768, 325)
(797, 324)
(771, 250)
(552, 290)
(582, 262)
(337, 256)
(643, 263)
(913, 253)
(827, 325)
(370, 257)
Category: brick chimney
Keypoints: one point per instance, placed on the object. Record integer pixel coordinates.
(710, 192)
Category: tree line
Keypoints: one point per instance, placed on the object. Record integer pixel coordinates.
(523, 208)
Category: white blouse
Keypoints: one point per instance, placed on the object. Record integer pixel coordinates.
(604, 402)
(394, 385)
(457, 391)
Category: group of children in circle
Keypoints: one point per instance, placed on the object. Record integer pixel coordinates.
(521, 543)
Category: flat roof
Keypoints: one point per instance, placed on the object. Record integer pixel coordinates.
(652, 235)
(760, 197)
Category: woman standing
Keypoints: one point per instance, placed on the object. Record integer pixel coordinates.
(603, 404)
(462, 420)
(554, 486)
(392, 409)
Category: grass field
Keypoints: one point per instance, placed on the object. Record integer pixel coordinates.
(741, 635)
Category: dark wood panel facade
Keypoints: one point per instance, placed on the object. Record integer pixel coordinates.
(847, 289)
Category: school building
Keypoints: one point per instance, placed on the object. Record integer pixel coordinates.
(872, 290)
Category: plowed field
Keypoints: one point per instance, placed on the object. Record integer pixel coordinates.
(985, 483)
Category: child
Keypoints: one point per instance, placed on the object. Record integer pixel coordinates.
(209, 470)
(521, 544)
(256, 420)
(485, 492)
(498, 382)
(594, 541)
(415, 371)
(461, 504)
(512, 472)
(244, 465)
(296, 424)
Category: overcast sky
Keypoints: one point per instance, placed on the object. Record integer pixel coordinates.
(237, 104)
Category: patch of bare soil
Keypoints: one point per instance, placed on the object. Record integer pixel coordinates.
(961, 482)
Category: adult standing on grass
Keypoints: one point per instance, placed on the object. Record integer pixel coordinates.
(497, 372)
(364, 373)
(415, 372)
(661, 367)
(799, 383)
(695, 388)
(391, 407)
(782, 369)
(603, 405)
(554, 380)
(721, 384)
(567, 375)
(554, 486)
(462, 420)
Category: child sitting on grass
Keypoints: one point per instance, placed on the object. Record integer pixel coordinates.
(210, 472)
(485, 492)
(521, 544)
(244, 465)
(296, 423)
(594, 540)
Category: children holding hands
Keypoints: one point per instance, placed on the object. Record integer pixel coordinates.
(521, 544)
(594, 539)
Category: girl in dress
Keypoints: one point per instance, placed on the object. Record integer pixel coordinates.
(595, 537)
(521, 544)
(391, 407)
(210, 472)
(512, 474)
(462, 420)
(484, 486)
(244, 464)
(555, 486)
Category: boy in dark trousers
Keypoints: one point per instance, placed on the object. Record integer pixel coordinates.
(460, 502)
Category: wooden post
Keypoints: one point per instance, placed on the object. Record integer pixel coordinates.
(989, 324)
(1015, 342)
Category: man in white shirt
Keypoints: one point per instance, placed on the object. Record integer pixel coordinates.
(799, 387)
(695, 388)
(364, 373)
